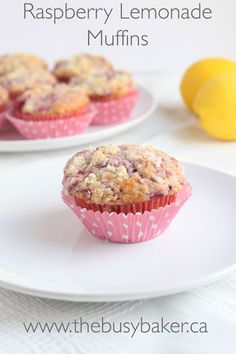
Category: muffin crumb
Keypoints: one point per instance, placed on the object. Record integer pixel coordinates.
(58, 100)
(20, 80)
(114, 84)
(121, 174)
(14, 61)
(79, 65)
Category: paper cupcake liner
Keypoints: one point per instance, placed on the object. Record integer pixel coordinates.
(115, 111)
(38, 117)
(154, 203)
(3, 115)
(53, 128)
(130, 228)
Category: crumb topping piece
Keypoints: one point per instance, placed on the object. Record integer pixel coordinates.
(113, 83)
(12, 62)
(122, 174)
(61, 99)
(84, 64)
(18, 81)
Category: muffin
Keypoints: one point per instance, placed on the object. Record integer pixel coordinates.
(124, 193)
(123, 177)
(51, 102)
(108, 85)
(81, 65)
(12, 62)
(20, 80)
(52, 111)
(114, 95)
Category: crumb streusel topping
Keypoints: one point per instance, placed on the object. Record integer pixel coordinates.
(112, 84)
(12, 62)
(3, 97)
(122, 174)
(61, 99)
(18, 81)
(81, 65)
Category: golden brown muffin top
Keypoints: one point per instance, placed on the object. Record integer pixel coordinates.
(60, 100)
(12, 62)
(83, 64)
(20, 80)
(122, 174)
(110, 84)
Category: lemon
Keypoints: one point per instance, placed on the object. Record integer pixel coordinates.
(201, 72)
(215, 105)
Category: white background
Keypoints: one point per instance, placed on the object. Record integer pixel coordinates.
(174, 44)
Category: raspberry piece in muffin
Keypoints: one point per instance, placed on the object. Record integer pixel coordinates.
(18, 81)
(12, 62)
(51, 102)
(117, 175)
(112, 84)
(81, 65)
(3, 99)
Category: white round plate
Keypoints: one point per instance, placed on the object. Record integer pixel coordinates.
(45, 251)
(12, 141)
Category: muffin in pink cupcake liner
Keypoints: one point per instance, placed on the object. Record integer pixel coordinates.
(130, 228)
(36, 129)
(116, 110)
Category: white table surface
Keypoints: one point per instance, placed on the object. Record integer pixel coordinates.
(172, 129)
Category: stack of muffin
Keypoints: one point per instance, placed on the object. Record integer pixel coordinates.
(80, 91)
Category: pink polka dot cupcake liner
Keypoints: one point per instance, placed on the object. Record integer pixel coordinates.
(129, 228)
(56, 128)
(115, 111)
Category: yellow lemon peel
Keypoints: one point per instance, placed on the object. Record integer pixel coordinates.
(200, 73)
(215, 105)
